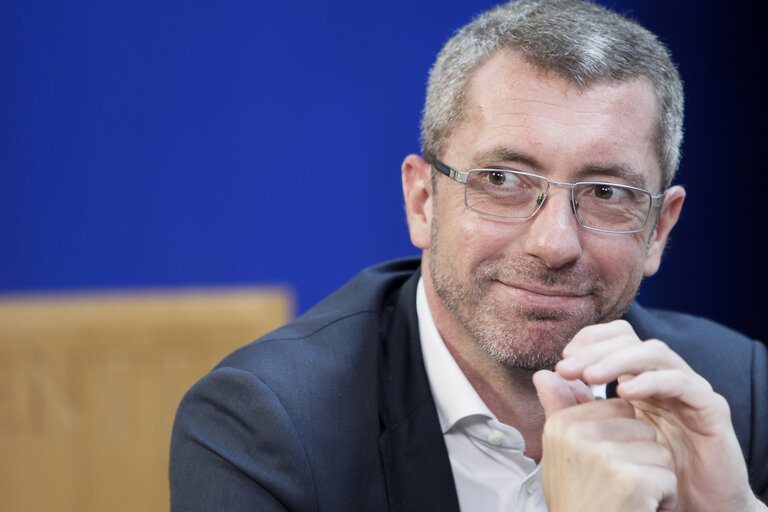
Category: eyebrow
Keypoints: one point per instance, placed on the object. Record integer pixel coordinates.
(496, 156)
(505, 154)
(620, 171)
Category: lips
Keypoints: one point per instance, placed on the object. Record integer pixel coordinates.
(536, 295)
(546, 290)
(550, 292)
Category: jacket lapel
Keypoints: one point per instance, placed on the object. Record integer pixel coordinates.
(416, 465)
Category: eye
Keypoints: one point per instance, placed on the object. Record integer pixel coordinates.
(497, 177)
(603, 191)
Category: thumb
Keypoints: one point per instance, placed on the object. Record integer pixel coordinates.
(556, 393)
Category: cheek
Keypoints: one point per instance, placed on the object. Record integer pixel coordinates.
(620, 262)
(483, 236)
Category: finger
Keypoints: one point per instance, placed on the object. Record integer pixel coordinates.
(687, 387)
(555, 394)
(581, 391)
(633, 360)
(597, 333)
(657, 484)
(573, 365)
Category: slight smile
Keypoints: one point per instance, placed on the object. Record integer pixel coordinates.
(541, 296)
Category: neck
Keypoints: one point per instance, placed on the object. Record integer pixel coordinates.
(508, 392)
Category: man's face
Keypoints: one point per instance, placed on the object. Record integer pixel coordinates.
(522, 289)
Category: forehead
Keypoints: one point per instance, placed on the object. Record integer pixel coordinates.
(514, 107)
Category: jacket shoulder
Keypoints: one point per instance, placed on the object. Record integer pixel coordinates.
(695, 338)
(344, 319)
(290, 418)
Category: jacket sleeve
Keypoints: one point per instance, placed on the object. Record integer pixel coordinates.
(758, 453)
(235, 448)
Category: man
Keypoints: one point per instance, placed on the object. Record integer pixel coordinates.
(465, 380)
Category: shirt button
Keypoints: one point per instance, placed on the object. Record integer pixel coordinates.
(496, 438)
(531, 486)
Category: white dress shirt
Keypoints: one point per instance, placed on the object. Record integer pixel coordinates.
(490, 468)
(487, 457)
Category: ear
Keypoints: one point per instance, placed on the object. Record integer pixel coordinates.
(670, 212)
(417, 192)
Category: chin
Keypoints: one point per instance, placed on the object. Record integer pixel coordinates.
(533, 338)
(532, 360)
(534, 344)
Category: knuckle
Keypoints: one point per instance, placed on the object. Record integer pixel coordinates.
(669, 479)
(646, 485)
(683, 378)
(582, 430)
(585, 335)
(575, 434)
(627, 478)
(690, 379)
(708, 386)
(627, 339)
(623, 324)
(657, 346)
(605, 451)
(720, 404)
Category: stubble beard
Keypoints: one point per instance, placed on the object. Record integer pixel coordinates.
(525, 337)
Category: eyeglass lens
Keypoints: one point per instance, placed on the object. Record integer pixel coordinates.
(514, 195)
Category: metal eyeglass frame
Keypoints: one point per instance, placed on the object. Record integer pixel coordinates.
(463, 176)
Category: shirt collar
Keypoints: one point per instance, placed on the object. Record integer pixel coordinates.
(455, 398)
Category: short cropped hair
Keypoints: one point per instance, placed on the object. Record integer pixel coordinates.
(578, 40)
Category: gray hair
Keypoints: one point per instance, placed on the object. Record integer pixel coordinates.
(578, 40)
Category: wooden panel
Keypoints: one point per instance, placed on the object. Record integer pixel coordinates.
(89, 386)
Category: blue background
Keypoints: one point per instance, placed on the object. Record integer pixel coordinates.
(185, 143)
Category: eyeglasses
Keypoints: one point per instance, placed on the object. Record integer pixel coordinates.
(517, 195)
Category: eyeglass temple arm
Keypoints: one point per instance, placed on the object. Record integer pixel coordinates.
(452, 173)
(657, 201)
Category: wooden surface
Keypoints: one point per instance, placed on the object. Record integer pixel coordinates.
(89, 385)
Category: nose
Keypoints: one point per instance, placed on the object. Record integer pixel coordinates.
(553, 235)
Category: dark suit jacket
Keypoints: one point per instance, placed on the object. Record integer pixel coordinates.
(333, 412)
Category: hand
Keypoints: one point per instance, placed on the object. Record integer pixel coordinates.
(689, 418)
(597, 455)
